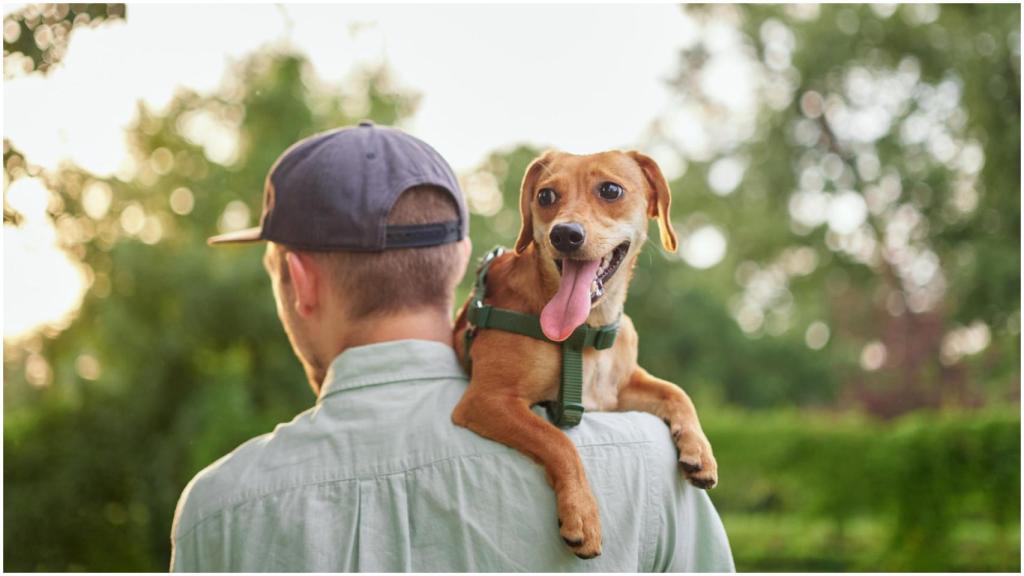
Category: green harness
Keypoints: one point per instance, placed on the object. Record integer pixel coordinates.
(568, 410)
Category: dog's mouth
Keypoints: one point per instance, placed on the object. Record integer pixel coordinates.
(581, 286)
(608, 266)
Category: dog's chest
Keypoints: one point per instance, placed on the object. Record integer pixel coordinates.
(600, 381)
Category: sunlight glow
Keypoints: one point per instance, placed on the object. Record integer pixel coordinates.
(482, 193)
(41, 284)
(846, 212)
(725, 175)
(873, 356)
(817, 335)
(235, 217)
(704, 247)
(588, 73)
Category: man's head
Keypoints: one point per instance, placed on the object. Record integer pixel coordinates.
(366, 231)
(328, 301)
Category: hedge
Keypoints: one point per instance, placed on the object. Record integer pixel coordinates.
(920, 479)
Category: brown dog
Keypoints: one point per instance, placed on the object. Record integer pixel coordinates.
(584, 221)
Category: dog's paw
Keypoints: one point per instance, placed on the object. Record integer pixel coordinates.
(695, 456)
(579, 523)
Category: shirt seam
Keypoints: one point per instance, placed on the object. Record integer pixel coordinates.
(259, 495)
(652, 514)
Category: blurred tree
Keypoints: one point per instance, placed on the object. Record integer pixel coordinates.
(870, 205)
(36, 37)
(176, 355)
(870, 197)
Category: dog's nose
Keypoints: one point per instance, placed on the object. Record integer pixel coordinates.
(567, 237)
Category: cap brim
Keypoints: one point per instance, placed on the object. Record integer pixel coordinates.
(237, 237)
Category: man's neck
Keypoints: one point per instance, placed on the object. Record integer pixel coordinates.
(410, 325)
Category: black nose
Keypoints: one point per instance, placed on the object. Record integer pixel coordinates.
(567, 237)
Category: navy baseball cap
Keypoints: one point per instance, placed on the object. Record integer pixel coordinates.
(334, 190)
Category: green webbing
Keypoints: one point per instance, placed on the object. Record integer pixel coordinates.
(568, 410)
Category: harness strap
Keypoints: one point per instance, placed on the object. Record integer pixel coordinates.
(568, 410)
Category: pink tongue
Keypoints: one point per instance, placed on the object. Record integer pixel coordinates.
(571, 305)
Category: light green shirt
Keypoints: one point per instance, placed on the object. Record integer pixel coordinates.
(375, 477)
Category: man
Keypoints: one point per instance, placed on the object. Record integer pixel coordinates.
(367, 239)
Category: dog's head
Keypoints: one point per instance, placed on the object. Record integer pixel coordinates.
(587, 216)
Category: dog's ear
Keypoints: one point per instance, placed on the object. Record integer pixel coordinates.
(659, 199)
(533, 172)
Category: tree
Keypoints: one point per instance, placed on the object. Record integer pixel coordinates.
(871, 194)
(36, 37)
(869, 199)
(176, 355)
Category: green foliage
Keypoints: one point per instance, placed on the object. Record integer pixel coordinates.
(865, 298)
(36, 36)
(191, 357)
(834, 122)
(914, 483)
(768, 542)
(176, 355)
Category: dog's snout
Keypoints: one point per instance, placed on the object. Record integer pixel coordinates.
(567, 237)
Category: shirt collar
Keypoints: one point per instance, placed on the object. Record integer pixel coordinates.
(387, 362)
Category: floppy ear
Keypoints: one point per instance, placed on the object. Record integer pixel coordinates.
(659, 199)
(533, 173)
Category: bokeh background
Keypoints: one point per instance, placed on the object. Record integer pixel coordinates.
(845, 306)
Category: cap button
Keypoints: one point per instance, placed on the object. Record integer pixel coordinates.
(366, 124)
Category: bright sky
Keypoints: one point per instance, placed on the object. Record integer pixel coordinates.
(579, 78)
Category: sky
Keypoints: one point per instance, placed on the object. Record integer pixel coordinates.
(489, 76)
(577, 78)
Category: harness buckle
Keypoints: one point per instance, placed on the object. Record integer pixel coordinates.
(605, 337)
(481, 314)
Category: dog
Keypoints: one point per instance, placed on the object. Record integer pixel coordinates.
(584, 221)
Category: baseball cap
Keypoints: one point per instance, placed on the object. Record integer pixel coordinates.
(334, 190)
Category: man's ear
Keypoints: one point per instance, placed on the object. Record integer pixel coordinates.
(533, 173)
(305, 279)
(465, 249)
(659, 199)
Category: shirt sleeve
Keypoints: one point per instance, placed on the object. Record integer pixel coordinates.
(690, 535)
(183, 555)
(186, 544)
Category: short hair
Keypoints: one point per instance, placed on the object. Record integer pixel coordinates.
(389, 281)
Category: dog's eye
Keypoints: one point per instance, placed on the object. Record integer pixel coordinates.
(546, 197)
(610, 191)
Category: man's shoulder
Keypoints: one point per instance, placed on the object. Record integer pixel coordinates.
(638, 429)
(639, 432)
(618, 427)
(231, 479)
(281, 459)
(205, 492)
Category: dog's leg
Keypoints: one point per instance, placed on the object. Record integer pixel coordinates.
(667, 401)
(510, 421)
